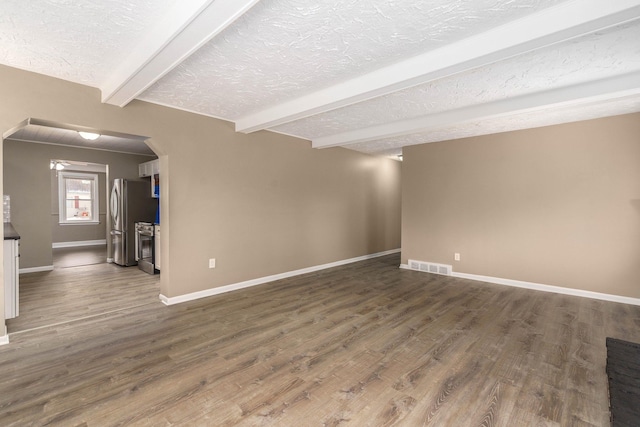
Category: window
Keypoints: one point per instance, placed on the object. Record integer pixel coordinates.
(78, 198)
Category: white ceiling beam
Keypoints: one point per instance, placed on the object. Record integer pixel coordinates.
(549, 26)
(605, 89)
(186, 27)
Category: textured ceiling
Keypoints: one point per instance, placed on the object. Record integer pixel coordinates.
(576, 61)
(280, 49)
(370, 76)
(517, 121)
(79, 41)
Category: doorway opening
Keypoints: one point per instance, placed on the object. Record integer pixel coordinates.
(64, 273)
(79, 201)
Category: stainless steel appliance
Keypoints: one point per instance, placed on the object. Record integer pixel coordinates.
(131, 202)
(145, 247)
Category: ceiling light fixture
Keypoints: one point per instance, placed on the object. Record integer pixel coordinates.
(90, 136)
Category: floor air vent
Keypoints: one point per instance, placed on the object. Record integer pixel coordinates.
(430, 267)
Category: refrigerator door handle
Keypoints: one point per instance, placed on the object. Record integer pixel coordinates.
(115, 205)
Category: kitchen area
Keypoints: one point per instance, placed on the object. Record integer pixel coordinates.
(61, 265)
(148, 233)
(65, 294)
(135, 219)
(135, 236)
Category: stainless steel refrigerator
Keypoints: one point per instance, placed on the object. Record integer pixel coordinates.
(131, 202)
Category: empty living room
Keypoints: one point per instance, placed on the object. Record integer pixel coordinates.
(373, 213)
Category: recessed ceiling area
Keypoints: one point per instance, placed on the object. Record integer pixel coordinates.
(46, 132)
(369, 76)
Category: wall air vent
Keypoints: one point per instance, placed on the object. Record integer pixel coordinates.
(430, 267)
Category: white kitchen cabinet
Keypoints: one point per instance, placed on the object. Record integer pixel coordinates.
(156, 248)
(11, 277)
(144, 169)
(151, 169)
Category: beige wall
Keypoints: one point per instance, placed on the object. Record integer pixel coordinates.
(265, 204)
(260, 204)
(558, 205)
(33, 189)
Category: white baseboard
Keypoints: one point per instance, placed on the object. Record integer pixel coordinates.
(36, 269)
(550, 288)
(110, 260)
(254, 282)
(4, 339)
(79, 243)
(542, 287)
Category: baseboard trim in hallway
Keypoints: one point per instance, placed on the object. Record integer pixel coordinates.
(78, 243)
(262, 280)
(543, 287)
(36, 269)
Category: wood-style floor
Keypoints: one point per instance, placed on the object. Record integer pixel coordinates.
(365, 344)
(76, 256)
(81, 285)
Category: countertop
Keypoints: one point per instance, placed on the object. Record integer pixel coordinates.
(10, 233)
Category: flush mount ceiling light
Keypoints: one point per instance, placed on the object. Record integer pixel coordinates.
(89, 135)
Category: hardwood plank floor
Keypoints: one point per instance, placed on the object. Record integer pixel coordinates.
(365, 344)
(72, 293)
(77, 256)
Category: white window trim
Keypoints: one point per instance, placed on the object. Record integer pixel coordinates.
(62, 201)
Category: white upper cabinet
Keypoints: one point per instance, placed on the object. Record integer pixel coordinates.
(149, 168)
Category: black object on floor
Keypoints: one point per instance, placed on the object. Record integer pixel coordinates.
(623, 370)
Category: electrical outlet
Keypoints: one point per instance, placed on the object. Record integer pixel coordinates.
(212, 263)
(456, 256)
